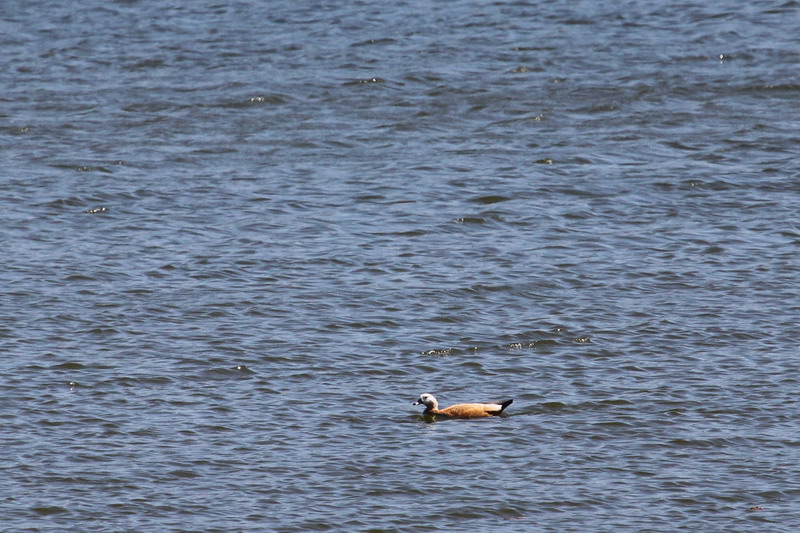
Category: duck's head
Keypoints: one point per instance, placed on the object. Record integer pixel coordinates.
(427, 400)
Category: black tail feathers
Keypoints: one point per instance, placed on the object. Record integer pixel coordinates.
(506, 404)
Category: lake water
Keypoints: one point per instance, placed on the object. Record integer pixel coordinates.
(238, 239)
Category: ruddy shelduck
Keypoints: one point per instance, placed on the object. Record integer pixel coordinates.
(461, 410)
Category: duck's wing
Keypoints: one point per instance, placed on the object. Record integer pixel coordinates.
(469, 410)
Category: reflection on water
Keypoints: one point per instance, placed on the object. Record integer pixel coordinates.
(238, 239)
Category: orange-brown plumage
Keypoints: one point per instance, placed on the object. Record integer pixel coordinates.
(461, 410)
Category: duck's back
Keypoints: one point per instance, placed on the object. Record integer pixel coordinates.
(474, 410)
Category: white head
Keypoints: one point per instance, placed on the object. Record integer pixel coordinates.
(428, 401)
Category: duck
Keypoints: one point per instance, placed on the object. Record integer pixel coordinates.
(461, 410)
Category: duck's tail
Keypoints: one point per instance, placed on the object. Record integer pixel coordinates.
(502, 406)
(506, 404)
